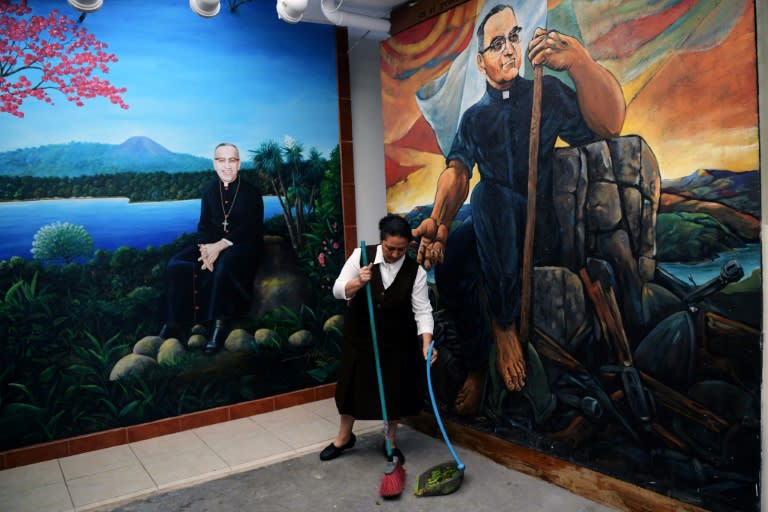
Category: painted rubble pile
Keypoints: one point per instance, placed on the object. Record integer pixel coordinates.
(629, 370)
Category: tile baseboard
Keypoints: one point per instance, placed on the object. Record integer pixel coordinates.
(114, 437)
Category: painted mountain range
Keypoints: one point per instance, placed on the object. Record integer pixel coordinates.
(706, 213)
(737, 190)
(136, 154)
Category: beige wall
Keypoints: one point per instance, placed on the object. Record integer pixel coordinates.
(367, 133)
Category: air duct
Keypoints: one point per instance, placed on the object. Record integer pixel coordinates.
(352, 20)
(292, 11)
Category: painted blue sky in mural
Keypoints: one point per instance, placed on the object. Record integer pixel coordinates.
(244, 77)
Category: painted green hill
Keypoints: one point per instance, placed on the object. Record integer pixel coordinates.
(707, 213)
(136, 154)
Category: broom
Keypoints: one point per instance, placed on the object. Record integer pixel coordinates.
(393, 482)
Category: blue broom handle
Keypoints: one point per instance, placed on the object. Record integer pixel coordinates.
(459, 464)
(368, 296)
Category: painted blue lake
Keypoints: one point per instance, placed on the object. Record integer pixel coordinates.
(114, 222)
(111, 222)
(701, 272)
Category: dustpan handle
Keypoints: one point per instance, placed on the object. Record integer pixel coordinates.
(459, 464)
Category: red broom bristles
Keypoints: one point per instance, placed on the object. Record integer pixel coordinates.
(394, 480)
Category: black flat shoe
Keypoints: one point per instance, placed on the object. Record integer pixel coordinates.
(395, 451)
(331, 451)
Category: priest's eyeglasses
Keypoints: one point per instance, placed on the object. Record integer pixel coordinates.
(499, 43)
(232, 161)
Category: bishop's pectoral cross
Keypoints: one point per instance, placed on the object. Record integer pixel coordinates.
(225, 224)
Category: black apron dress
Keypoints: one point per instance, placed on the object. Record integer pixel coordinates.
(402, 362)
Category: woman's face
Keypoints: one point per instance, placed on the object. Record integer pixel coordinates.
(393, 248)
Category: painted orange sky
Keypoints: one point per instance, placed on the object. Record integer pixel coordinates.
(696, 106)
(701, 109)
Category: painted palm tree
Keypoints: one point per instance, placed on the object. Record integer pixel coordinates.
(293, 180)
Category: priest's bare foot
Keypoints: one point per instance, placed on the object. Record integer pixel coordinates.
(509, 356)
(467, 402)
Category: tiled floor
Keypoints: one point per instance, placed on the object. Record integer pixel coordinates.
(94, 479)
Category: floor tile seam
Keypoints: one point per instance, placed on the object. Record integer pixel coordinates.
(27, 493)
(113, 469)
(307, 416)
(239, 436)
(309, 448)
(292, 441)
(129, 496)
(191, 481)
(192, 432)
(196, 479)
(141, 463)
(223, 424)
(288, 442)
(22, 477)
(217, 451)
(301, 408)
(333, 420)
(102, 469)
(213, 450)
(66, 484)
(274, 429)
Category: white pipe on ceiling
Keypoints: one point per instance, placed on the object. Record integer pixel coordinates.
(353, 20)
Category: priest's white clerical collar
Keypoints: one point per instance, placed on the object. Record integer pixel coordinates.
(505, 94)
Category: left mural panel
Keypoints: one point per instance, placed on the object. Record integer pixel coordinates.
(109, 123)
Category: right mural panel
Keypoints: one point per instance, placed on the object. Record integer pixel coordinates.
(583, 179)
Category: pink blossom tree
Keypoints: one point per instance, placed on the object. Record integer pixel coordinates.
(40, 53)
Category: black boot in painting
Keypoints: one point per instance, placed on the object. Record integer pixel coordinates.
(216, 340)
(170, 331)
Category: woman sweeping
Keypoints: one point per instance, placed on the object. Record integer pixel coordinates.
(404, 326)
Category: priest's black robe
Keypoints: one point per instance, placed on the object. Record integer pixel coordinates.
(198, 295)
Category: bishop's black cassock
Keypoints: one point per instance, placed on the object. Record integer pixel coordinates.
(198, 295)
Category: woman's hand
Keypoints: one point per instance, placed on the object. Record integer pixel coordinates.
(425, 349)
(365, 274)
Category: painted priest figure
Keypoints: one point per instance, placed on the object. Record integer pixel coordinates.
(477, 267)
(209, 283)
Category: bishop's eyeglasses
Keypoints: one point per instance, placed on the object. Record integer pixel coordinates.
(499, 43)
(220, 160)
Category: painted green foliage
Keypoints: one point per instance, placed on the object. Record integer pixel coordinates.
(64, 325)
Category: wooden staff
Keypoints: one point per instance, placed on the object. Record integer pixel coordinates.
(530, 215)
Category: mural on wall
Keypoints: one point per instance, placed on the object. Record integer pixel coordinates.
(612, 317)
(109, 124)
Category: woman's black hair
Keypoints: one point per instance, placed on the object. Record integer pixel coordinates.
(394, 225)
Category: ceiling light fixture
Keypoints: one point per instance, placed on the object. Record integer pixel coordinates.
(291, 11)
(205, 8)
(86, 6)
